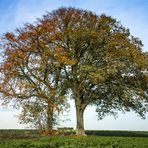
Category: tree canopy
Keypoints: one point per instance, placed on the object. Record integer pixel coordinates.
(29, 76)
(92, 57)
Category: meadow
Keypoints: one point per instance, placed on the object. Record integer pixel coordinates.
(95, 139)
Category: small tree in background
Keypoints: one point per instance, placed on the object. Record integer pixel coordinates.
(92, 57)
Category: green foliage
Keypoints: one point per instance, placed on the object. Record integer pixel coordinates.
(98, 139)
(77, 142)
(94, 57)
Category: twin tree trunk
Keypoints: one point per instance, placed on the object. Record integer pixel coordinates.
(79, 117)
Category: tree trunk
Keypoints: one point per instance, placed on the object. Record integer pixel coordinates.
(49, 118)
(80, 106)
(80, 121)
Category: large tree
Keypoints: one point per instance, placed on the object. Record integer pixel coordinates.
(110, 69)
(99, 63)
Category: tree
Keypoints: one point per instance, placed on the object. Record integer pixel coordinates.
(109, 70)
(95, 59)
(29, 76)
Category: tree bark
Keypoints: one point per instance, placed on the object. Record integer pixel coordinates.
(49, 118)
(80, 106)
(80, 121)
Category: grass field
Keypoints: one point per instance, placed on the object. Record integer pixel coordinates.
(96, 139)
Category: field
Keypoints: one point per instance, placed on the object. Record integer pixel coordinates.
(95, 139)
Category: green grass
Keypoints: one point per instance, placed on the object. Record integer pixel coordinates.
(77, 142)
(96, 139)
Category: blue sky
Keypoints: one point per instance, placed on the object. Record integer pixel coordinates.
(132, 14)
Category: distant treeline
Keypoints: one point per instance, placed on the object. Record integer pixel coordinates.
(31, 133)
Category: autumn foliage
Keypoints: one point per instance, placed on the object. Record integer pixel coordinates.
(73, 51)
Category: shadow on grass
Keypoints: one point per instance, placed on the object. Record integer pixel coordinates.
(118, 133)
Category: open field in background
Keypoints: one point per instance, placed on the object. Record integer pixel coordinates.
(17, 133)
(96, 139)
